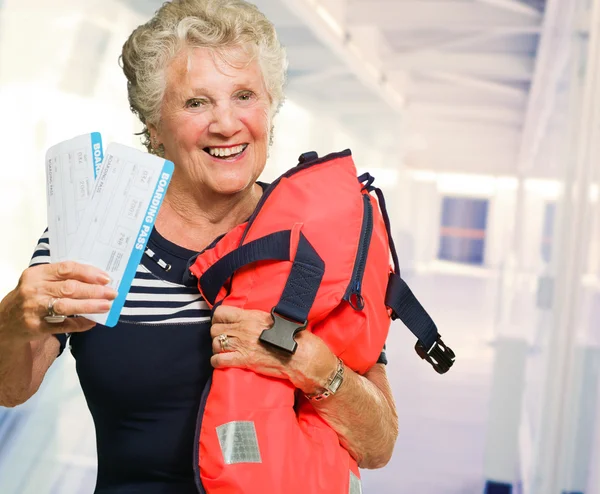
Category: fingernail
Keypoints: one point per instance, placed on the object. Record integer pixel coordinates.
(112, 293)
(106, 306)
(104, 279)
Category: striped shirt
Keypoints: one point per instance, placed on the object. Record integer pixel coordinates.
(143, 378)
(154, 296)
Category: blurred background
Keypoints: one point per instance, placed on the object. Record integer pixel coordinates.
(480, 119)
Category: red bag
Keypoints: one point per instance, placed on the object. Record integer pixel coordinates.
(316, 253)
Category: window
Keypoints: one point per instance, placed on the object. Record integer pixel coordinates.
(463, 230)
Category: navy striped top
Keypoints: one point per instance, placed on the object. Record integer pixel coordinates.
(156, 295)
(143, 378)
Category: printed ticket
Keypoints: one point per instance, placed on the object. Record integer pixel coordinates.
(71, 169)
(115, 227)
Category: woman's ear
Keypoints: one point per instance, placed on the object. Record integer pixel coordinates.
(154, 139)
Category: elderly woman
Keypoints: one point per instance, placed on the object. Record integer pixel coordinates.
(205, 78)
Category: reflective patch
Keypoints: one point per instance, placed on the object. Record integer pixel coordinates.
(355, 485)
(238, 442)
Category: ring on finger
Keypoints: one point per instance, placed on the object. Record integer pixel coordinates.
(53, 317)
(224, 342)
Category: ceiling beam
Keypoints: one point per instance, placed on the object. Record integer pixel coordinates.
(553, 53)
(318, 76)
(495, 164)
(474, 133)
(440, 92)
(582, 22)
(424, 112)
(475, 38)
(493, 66)
(442, 15)
(282, 18)
(361, 108)
(364, 64)
(479, 84)
(304, 58)
(514, 6)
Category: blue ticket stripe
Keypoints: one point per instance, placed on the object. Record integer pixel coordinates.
(97, 152)
(140, 244)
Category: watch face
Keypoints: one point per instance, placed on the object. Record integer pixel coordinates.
(337, 381)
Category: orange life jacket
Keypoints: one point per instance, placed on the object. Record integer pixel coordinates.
(316, 254)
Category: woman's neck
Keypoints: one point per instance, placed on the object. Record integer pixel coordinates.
(194, 222)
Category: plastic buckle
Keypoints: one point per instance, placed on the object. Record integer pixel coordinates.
(439, 355)
(281, 334)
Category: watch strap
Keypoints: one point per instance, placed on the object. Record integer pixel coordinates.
(332, 386)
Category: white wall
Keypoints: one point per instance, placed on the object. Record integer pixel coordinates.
(416, 210)
(42, 106)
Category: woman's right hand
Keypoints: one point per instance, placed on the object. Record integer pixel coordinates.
(76, 288)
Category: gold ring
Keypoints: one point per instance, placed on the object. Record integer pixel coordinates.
(53, 317)
(224, 341)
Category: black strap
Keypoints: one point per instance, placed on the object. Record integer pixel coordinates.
(366, 177)
(302, 284)
(407, 308)
(386, 220)
(405, 305)
(275, 246)
(303, 281)
(290, 315)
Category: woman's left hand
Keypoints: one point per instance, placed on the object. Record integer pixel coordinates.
(309, 368)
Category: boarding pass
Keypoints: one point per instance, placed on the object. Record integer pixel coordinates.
(71, 169)
(117, 222)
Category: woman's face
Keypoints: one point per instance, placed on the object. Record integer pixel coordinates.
(215, 122)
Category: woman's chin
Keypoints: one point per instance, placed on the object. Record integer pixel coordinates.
(232, 185)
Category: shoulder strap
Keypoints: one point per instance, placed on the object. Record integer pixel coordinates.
(405, 306)
(291, 312)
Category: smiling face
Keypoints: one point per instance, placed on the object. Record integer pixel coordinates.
(215, 122)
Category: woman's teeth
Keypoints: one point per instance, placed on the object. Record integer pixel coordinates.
(225, 152)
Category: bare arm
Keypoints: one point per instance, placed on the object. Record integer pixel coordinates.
(362, 412)
(23, 367)
(27, 347)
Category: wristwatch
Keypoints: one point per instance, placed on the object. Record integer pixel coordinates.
(332, 386)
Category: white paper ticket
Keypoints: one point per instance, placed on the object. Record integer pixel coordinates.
(71, 168)
(115, 227)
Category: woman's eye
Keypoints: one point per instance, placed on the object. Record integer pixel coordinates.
(195, 103)
(245, 96)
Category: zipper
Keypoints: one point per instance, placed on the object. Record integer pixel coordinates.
(353, 293)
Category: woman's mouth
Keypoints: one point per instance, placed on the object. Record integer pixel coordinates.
(229, 153)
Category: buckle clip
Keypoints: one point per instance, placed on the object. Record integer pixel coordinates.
(281, 334)
(439, 355)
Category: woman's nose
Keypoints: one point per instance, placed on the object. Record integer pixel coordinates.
(225, 121)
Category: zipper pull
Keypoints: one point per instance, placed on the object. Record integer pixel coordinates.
(356, 300)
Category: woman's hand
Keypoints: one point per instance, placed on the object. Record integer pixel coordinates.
(362, 412)
(309, 368)
(75, 288)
